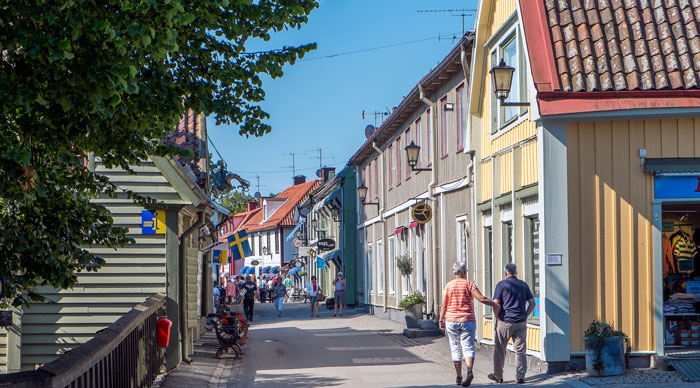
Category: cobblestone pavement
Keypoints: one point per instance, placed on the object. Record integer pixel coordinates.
(358, 350)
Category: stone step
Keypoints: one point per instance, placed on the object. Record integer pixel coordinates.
(419, 333)
(427, 324)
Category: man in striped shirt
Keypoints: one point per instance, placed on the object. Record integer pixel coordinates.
(458, 320)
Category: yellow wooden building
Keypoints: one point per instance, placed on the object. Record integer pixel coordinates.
(581, 167)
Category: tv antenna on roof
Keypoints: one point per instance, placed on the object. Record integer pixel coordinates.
(376, 114)
(453, 12)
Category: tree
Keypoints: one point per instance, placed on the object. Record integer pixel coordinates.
(236, 201)
(111, 78)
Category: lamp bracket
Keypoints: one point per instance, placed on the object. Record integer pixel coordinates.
(421, 169)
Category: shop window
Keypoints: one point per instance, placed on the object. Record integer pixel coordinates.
(532, 259)
(507, 242)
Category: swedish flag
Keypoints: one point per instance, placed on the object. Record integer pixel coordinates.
(239, 245)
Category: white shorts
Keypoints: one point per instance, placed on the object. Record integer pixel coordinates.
(461, 337)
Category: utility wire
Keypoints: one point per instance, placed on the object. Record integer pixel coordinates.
(441, 36)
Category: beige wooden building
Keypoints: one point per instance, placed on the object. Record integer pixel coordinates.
(432, 116)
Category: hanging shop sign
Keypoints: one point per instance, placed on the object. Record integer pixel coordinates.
(152, 222)
(307, 251)
(320, 263)
(220, 257)
(326, 244)
(422, 213)
(254, 263)
(298, 264)
(297, 243)
(676, 186)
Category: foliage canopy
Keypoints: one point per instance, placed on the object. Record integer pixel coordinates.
(111, 78)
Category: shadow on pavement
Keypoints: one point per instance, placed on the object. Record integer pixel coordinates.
(295, 380)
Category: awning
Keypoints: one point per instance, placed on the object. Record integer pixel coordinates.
(672, 165)
(243, 270)
(412, 225)
(266, 269)
(250, 271)
(332, 201)
(275, 269)
(294, 231)
(294, 271)
(336, 257)
(399, 230)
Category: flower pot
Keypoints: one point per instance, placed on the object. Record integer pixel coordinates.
(612, 356)
(413, 315)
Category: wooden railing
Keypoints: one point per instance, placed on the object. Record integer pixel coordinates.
(125, 354)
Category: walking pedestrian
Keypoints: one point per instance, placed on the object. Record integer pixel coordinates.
(263, 291)
(249, 298)
(511, 294)
(458, 320)
(279, 292)
(339, 295)
(270, 286)
(313, 289)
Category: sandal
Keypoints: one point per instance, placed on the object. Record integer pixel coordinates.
(493, 377)
(468, 381)
(459, 380)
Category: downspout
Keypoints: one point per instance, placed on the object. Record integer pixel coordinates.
(382, 206)
(183, 279)
(431, 195)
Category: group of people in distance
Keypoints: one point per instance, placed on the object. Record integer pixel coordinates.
(512, 304)
(274, 290)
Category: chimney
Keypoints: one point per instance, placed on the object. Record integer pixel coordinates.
(327, 173)
(299, 179)
(252, 205)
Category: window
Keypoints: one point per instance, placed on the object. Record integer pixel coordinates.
(444, 126)
(269, 247)
(462, 239)
(419, 137)
(460, 118)
(488, 267)
(376, 178)
(508, 49)
(407, 136)
(252, 245)
(370, 266)
(392, 265)
(398, 161)
(380, 267)
(391, 165)
(421, 272)
(532, 259)
(405, 279)
(429, 138)
(278, 241)
(508, 242)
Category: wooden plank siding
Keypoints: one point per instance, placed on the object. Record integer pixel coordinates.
(130, 275)
(610, 217)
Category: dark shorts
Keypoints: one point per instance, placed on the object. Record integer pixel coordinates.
(340, 297)
(313, 299)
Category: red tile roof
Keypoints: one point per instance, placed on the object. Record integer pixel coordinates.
(284, 216)
(603, 47)
(625, 45)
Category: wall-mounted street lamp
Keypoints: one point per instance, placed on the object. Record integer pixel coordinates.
(336, 214)
(502, 77)
(412, 153)
(362, 193)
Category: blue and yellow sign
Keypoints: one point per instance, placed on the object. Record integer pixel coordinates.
(152, 222)
(676, 186)
(219, 257)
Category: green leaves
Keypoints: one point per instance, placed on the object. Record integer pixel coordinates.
(111, 79)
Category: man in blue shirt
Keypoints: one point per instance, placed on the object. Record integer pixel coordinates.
(511, 294)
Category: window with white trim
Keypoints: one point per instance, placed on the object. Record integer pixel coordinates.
(380, 267)
(405, 250)
(488, 265)
(370, 267)
(532, 255)
(444, 127)
(392, 265)
(462, 239)
(509, 49)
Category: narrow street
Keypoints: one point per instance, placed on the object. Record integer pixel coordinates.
(358, 350)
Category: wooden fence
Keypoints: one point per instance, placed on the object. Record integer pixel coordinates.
(125, 354)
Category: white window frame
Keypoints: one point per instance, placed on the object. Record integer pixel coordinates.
(420, 258)
(370, 268)
(391, 266)
(462, 237)
(500, 126)
(405, 249)
(380, 267)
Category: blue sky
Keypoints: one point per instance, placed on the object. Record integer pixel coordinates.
(319, 103)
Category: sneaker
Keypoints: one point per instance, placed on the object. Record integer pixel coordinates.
(468, 381)
(459, 380)
(318, 316)
(493, 377)
(520, 381)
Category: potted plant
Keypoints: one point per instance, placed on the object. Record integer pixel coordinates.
(607, 350)
(412, 305)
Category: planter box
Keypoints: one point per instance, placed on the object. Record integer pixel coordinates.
(613, 357)
(413, 315)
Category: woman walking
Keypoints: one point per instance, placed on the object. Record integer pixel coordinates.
(279, 291)
(458, 319)
(313, 289)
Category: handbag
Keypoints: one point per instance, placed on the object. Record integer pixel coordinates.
(320, 296)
